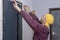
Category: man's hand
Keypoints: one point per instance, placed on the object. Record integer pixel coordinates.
(26, 8)
(16, 6)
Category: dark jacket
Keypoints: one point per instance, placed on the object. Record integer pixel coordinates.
(34, 17)
(40, 31)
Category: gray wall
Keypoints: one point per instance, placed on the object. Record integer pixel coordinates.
(1, 20)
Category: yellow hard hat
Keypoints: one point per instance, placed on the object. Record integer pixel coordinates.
(49, 18)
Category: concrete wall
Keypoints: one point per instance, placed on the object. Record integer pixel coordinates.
(1, 26)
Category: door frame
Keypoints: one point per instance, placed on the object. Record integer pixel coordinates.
(52, 9)
(16, 28)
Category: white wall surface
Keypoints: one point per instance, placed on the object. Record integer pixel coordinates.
(42, 6)
(1, 26)
(27, 2)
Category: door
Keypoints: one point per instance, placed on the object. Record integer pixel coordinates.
(11, 26)
(55, 28)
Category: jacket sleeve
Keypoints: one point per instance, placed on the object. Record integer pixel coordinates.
(33, 24)
(35, 17)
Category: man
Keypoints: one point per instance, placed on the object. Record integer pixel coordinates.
(41, 31)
